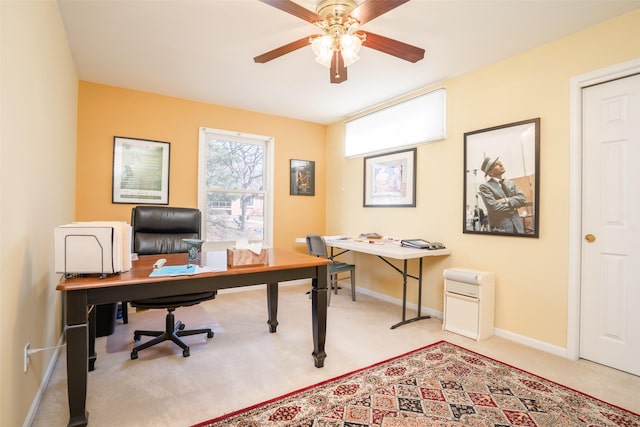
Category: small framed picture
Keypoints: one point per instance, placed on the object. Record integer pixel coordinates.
(390, 179)
(140, 171)
(303, 176)
(501, 180)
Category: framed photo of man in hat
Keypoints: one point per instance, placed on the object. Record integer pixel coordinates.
(501, 180)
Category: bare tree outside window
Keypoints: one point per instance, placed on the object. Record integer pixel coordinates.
(235, 190)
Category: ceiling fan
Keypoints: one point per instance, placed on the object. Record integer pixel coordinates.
(338, 44)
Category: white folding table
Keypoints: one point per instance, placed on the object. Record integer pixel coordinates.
(386, 250)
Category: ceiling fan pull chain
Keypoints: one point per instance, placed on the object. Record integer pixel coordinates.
(337, 64)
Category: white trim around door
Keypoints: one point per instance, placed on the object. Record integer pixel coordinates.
(575, 190)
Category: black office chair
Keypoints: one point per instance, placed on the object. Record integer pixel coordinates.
(160, 230)
(317, 246)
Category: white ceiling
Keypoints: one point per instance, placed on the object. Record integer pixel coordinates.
(203, 50)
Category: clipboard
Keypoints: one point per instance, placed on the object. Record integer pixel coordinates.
(415, 243)
(421, 244)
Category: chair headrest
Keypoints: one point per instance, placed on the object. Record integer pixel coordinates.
(158, 219)
(160, 230)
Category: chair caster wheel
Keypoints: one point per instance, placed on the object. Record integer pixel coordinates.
(185, 353)
(134, 355)
(209, 334)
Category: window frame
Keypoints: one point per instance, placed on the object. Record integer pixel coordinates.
(268, 185)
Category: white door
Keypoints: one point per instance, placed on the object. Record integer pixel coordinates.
(610, 275)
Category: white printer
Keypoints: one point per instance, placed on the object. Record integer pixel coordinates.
(94, 247)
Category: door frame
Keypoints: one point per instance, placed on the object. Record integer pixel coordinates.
(577, 83)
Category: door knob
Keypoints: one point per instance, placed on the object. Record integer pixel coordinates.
(590, 238)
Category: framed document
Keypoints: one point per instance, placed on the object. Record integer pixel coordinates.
(140, 171)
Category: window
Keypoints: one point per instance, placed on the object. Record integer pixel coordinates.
(234, 187)
(417, 120)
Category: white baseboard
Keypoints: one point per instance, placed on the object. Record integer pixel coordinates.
(424, 310)
(43, 384)
(511, 336)
(531, 342)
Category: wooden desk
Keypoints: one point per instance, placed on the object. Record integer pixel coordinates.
(384, 250)
(82, 292)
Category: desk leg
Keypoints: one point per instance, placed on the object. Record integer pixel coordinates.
(420, 291)
(77, 352)
(272, 306)
(404, 292)
(319, 314)
(92, 337)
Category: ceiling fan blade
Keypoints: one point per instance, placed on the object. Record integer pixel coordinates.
(370, 9)
(294, 9)
(337, 72)
(282, 50)
(393, 47)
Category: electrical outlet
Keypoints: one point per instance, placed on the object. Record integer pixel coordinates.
(26, 356)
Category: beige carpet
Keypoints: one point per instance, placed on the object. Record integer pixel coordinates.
(152, 320)
(244, 364)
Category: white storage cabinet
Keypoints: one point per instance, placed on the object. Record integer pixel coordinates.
(469, 297)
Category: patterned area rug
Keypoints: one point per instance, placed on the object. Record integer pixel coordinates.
(439, 385)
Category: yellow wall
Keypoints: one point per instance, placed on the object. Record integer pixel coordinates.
(531, 274)
(37, 180)
(105, 112)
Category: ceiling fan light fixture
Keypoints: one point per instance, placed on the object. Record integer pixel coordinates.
(325, 46)
(323, 49)
(350, 46)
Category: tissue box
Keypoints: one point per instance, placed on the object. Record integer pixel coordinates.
(240, 257)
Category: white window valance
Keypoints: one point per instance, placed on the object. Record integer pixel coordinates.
(415, 121)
